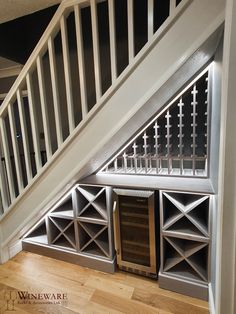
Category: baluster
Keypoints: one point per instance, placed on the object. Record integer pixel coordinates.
(181, 135)
(207, 123)
(130, 16)
(168, 137)
(68, 83)
(172, 7)
(145, 146)
(34, 124)
(150, 18)
(111, 10)
(96, 52)
(44, 105)
(15, 148)
(115, 165)
(157, 145)
(3, 183)
(82, 77)
(125, 162)
(194, 125)
(135, 146)
(55, 92)
(6, 153)
(25, 139)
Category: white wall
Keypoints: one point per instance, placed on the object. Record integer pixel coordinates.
(227, 186)
(216, 82)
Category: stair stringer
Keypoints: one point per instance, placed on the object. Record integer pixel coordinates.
(78, 156)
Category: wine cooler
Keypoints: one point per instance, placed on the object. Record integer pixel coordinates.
(134, 229)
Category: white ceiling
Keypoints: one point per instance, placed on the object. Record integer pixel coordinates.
(11, 9)
(5, 63)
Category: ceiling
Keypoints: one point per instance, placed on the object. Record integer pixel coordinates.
(5, 63)
(11, 9)
(19, 36)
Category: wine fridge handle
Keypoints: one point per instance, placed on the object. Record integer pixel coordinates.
(114, 207)
(115, 226)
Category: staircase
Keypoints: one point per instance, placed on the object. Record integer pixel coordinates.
(91, 72)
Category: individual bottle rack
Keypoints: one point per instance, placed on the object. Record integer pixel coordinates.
(185, 242)
(175, 142)
(79, 224)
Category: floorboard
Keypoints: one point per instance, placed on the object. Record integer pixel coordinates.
(85, 291)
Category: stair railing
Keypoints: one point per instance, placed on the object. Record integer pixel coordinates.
(29, 124)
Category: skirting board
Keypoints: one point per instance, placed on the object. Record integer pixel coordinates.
(192, 289)
(106, 266)
(211, 300)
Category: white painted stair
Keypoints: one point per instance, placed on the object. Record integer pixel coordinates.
(82, 152)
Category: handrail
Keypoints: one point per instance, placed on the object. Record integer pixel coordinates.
(32, 77)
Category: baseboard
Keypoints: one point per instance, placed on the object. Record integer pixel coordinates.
(105, 265)
(179, 285)
(211, 300)
(9, 251)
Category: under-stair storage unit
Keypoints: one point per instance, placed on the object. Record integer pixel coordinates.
(77, 229)
(185, 242)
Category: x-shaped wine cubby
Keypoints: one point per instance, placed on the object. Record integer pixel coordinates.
(185, 242)
(78, 228)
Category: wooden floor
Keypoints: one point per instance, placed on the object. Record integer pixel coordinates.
(87, 291)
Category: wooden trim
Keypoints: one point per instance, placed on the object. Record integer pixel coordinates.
(11, 71)
(71, 257)
(192, 289)
(24, 94)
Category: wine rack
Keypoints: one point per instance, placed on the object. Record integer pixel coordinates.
(174, 143)
(39, 233)
(91, 203)
(93, 220)
(185, 242)
(80, 224)
(94, 239)
(62, 232)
